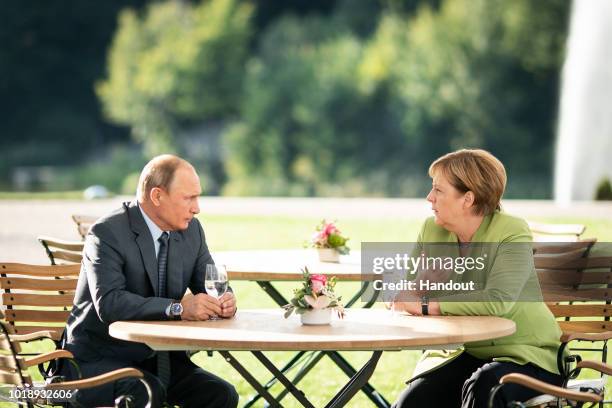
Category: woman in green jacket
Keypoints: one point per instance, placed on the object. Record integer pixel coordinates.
(465, 198)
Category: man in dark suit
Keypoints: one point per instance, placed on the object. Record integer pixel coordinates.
(137, 264)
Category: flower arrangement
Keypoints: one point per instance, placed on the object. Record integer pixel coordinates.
(317, 292)
(327, 235)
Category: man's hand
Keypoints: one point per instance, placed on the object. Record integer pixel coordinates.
(228, 304)
(200, 307)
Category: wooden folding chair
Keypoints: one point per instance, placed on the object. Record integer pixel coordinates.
(38, 297)
(14, 373)
(577, 287)
(83, 223)
(61, 250)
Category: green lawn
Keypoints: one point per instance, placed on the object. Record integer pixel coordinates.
(257, 232)
(43, 195)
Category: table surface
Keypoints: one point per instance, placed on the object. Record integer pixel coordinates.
(286, 265)
(361, 329)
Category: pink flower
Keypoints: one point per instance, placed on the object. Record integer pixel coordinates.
(319, 239)
(329, 229)
(317, 283)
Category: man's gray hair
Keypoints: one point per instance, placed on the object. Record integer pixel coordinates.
(159, 172)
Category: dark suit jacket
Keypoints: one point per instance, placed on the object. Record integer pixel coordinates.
(118, 281)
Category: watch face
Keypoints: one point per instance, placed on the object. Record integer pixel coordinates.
(176, 309)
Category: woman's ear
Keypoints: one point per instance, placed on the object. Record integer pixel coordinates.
(468, 199)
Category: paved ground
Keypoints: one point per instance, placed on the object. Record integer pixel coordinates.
(22, 221)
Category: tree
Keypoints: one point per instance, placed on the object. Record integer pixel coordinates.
(307, 125)
(51, 54)
(480, 74)
(178, 64)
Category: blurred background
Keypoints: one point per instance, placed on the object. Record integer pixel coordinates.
(337, 98)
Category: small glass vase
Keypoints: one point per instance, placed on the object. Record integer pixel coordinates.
(316, 317)
(328, 255)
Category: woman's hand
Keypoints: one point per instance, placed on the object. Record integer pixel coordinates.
(414, 308)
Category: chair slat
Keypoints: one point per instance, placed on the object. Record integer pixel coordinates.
(585, 326)
(573, 277)
(10, 363)
(4, 343)
(563, 247)
(40, 270)
(563, 294)
(61, 250)
(581, 310)
(557, 229)
(74, 246)
(60, 254)
(26, 315)
(10, 378)
(37, 299)
(566, 262)
(38, 284)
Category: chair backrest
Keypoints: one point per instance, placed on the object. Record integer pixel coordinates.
(569, 249)
(83, 223)
(60, 251)
(543, 232)
(38, 297)
(13, 369)
(576, 286)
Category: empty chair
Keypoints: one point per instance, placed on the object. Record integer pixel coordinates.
(61, 251)
(83, 223)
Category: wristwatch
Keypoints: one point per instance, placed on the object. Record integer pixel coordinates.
(176, 310)
(424, 305)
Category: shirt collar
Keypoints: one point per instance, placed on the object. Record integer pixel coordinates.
(155, 230)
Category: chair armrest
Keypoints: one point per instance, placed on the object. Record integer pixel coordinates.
(43, 358)
(567, 337)
(39, 335)
(595, 365)
(547, 388)
(97, 380)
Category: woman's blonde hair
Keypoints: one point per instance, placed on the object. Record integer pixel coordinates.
(474, 170)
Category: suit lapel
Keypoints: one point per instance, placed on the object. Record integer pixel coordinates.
(175, 266)
(144, 240)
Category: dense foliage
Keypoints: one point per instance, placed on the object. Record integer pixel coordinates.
(298, 98)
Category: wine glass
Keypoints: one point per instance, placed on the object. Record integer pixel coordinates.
(215, 282)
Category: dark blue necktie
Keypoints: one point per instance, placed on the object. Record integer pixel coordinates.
(163, 357)
(162, 265)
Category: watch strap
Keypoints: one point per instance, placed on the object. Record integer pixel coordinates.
(425, 306)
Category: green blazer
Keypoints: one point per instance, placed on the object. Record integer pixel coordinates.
(537, 336)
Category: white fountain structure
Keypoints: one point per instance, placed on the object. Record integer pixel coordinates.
(584, 136)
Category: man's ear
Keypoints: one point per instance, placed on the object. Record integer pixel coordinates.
(155, 196)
